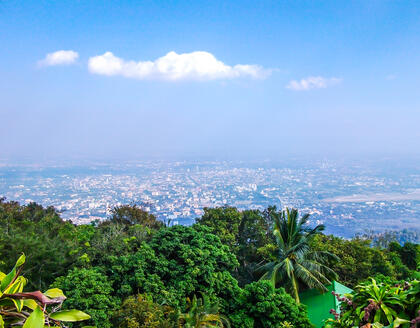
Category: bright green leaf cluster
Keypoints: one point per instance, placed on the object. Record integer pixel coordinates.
(30, 309)
(380, 305)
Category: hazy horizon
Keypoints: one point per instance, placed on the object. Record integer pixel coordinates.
(281, 159)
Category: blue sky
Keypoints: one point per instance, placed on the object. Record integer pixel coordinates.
(320, 77)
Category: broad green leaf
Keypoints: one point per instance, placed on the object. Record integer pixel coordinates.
(70, 315)
(17, 286)
(377, 317)
(20, 260)
(30, 303)
(5, 282)
(387, 312)
(398, 322)
(1, 322)
(35, 320)
(54, 293)
(18, 304)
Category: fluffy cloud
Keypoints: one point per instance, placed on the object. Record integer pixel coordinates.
(312, 82)
(61, 57)
(197, 65)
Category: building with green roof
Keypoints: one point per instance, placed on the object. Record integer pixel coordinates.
(319, 304)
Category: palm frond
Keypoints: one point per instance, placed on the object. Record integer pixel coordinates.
(310, 278)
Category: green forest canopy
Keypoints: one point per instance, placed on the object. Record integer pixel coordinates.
(104, 266)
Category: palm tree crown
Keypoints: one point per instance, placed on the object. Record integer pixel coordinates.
(295, 262)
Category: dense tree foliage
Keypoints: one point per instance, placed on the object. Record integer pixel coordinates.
(134, 271)
(409, 253)
(194, 260)
(260, 305)
(42, 235)
(141, 311)
(225, 222)
(357, 261)
(245, 232)
(133, 214)
(174, 264)
(89, 290)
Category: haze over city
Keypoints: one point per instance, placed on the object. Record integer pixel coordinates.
(350, 197)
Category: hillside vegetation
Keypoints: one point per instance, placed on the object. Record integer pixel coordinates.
(231, 268)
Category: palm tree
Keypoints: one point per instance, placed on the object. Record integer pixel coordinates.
(295, 262)
(202, 314)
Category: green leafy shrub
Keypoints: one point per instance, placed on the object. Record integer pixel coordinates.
(245, 232)
(132, 214)
(42, 235)
(262, 305)
(31, 309)
(90, 290)
(191, 259)
(409, 254)
(135, 273)
(379, 304)
(358, 260)
(141, 312)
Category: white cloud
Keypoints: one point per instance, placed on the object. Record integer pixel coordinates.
(61, 57)
(197, 65)
(312, 82)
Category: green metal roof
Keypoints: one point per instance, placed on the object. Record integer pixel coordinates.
(319, 304)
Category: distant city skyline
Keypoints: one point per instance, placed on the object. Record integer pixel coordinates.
(348, 196)
(215, 79)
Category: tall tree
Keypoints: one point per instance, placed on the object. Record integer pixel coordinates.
(295, 262)
(409, 253)
(225, 222)
(245, 232)
(133, 214)
(42, 235)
